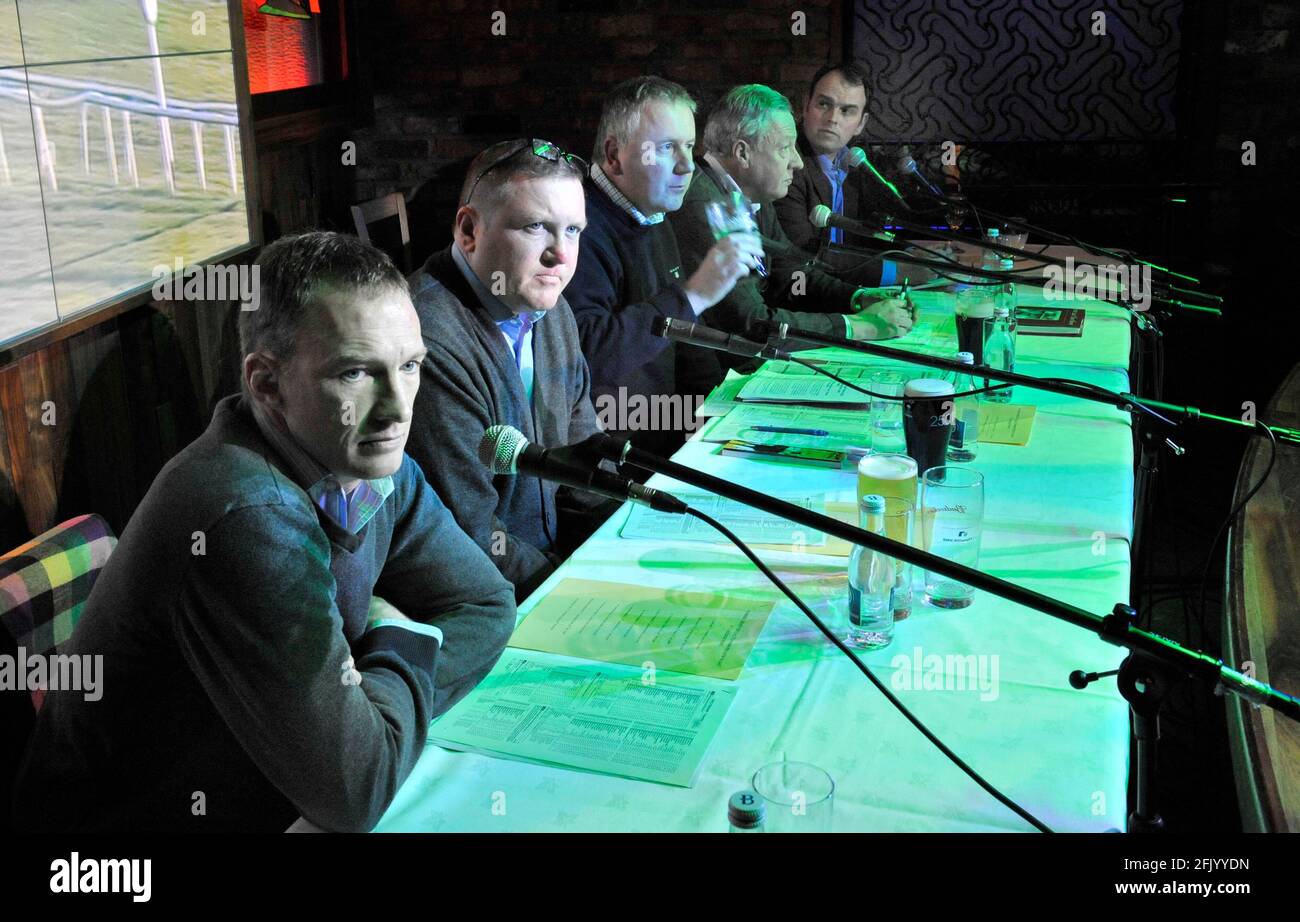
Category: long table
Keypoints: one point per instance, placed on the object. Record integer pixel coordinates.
(1058, 519)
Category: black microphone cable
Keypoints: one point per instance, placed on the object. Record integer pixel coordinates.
(862, 667)
(1231, 517)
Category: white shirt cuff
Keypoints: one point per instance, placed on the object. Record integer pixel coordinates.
(419, 627)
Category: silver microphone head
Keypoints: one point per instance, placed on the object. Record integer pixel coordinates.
(500, 447)
(820, 216)
(855, 158)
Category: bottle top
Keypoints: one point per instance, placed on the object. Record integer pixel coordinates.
(927, 387)
(745, 809)
(873, 502)
(1001, 311)
(966, 358)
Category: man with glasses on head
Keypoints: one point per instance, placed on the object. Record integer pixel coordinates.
(503, 349)
(750, 140)
(630, 271)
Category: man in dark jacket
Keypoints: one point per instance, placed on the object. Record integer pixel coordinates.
(629, 271)
(291, 604)
(503, 350)
(750, 148)
(834, 113)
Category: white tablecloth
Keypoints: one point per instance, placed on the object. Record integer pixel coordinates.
(1058, 520)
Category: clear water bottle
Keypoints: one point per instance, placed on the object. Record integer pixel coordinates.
(966, 415)
(1000, 351)
(991, 259)
(871, 583)
(1006, 292)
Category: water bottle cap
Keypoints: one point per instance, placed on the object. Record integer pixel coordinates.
(966, 358)
(873, 502)
(745, 809)
(927, 387)
(993, 233)
(1001, 310)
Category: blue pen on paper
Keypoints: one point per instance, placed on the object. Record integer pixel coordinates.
(788, 430)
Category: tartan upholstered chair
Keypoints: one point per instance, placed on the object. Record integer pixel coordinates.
(44, 585)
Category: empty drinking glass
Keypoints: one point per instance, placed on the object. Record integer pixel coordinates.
(951, 519)
(798, 797)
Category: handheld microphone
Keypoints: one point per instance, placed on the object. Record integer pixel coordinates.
(695, 334)
(506, 450)
(908, 165)
(857, 157)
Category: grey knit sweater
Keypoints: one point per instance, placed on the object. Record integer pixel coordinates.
(469, 382)
(227, 618)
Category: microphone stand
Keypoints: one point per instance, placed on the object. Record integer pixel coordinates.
(889, 220)
(1145, 675)
(1128, 403)
(945, 267)
(1064, 238)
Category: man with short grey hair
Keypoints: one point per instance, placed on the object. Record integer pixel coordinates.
(630, 272)
(749, 162)
(503, 350)
(291, 603)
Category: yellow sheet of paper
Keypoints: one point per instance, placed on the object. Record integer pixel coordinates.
(1006, 423)
(708, 633)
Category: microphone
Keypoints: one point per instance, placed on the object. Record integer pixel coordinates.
(908, 165)
(822, 216)
(696, 334)
(857, 157)
(506, 450)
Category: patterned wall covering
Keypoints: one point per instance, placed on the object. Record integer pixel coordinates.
(1019, 70)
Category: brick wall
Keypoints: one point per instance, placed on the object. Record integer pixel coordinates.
(446, 86)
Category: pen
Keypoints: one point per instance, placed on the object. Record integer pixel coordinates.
(788, 429)
(911, 308)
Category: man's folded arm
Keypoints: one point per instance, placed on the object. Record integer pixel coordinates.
(435, 573)
(258, 624)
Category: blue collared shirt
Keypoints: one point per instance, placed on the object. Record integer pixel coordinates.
(833, 167)
(516, 328)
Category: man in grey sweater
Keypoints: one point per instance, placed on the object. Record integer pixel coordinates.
(503, 349)
(291, 604)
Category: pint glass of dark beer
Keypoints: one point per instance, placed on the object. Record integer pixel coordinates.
(928, 414)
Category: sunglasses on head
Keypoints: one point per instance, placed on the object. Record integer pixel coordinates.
(540, 148)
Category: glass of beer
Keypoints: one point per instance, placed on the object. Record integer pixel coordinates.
(927, 420)
(887, 474)
(974, 317)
